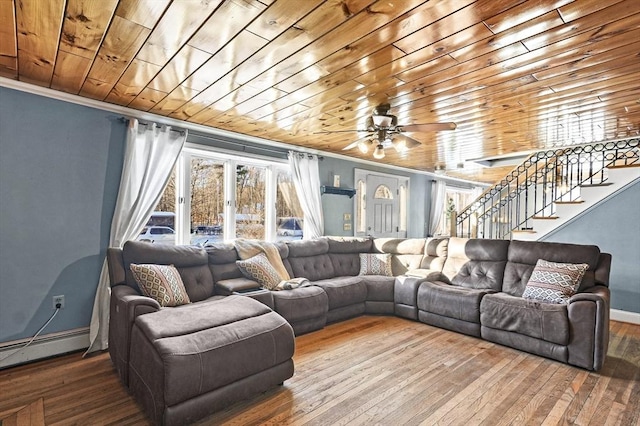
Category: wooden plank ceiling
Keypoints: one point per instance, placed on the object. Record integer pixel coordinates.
(513, 75)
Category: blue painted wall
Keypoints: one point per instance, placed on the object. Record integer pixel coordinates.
(60, 167)
(614, 227)
(334, 206)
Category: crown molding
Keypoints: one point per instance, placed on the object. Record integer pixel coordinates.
(207, 130)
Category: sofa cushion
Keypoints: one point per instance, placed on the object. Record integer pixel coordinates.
(301, 304)
(435, 253)
(259, 269)
(237, 285)
(406, 253)
(349, 244)
(343, 291)
(190, 261)
(554, 282)
(162, 283)
(345, 263)
(546, 321)
(344, 253)
(305, 248)
(313, 268)
(379, 287)
(375, 264)
(476, 263)
(309, 259)
(523, 256)
(451, 301)
(210, 345)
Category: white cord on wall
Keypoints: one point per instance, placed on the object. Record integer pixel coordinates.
(34, 336)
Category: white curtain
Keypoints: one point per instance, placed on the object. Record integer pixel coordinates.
(438, 194)
(306, 178)
(150, 154)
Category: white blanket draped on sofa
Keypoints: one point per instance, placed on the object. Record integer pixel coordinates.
(249, 248)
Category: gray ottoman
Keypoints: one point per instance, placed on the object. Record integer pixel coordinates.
(191, 361)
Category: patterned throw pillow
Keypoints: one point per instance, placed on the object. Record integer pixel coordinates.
(554, 282)
(161, 283)
(259, 269)
(375, 264)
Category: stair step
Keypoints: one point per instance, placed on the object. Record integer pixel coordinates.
(545, 217)
(595, 185)
(569, 202)
(523, 231)
(624, 166)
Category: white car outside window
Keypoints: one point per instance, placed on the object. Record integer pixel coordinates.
(157, 234)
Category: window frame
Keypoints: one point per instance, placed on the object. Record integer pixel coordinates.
(230, 160)
(444, 227)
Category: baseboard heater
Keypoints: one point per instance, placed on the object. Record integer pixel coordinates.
(44, 346)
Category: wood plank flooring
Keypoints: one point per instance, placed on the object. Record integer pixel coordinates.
(371, 370)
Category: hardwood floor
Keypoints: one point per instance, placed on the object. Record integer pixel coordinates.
(371, 370)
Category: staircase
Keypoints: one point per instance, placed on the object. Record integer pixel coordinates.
(549, 189)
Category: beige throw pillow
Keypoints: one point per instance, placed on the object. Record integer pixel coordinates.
(554, 282)
(161, 283)
(259, 269)
(375, 264)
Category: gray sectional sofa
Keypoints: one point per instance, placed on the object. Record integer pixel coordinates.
(236, 339)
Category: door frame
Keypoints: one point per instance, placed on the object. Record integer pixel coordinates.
(361, 175)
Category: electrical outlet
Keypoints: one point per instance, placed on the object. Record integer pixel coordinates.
(60, 300)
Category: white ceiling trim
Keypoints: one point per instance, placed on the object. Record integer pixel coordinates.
(147, 116)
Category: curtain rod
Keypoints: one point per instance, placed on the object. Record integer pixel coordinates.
(302, 154)
(245, 146)
(147, 123)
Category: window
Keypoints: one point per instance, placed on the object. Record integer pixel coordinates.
(361, 214)
(289, 216)
(213, 197)
(455, 200)
(383, 193)
(250, 202)
(403, 207)
(206, 208)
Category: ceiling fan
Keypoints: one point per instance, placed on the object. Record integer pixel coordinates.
(383, 131)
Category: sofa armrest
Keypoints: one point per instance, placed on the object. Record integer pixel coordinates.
(126, 304)
(589, 327)
(235, 285)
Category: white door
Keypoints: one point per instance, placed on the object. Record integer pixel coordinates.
(382, 206)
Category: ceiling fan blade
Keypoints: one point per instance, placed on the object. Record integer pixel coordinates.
(351, 145)
(324, 132)
(428, 127)
(408, 142)
(355, 143)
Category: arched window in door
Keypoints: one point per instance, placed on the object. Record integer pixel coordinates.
(383, 192)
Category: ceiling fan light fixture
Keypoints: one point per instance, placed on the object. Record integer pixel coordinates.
(382, 120)
(378, 154)
(363, 146)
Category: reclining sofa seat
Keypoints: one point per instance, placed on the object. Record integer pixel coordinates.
(127, 302)
(346, 294)
(473, 269)
(182, 363)
(576, 333)
(430, 268)
(305, 308)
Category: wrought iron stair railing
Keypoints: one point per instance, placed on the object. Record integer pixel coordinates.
(537, 185)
